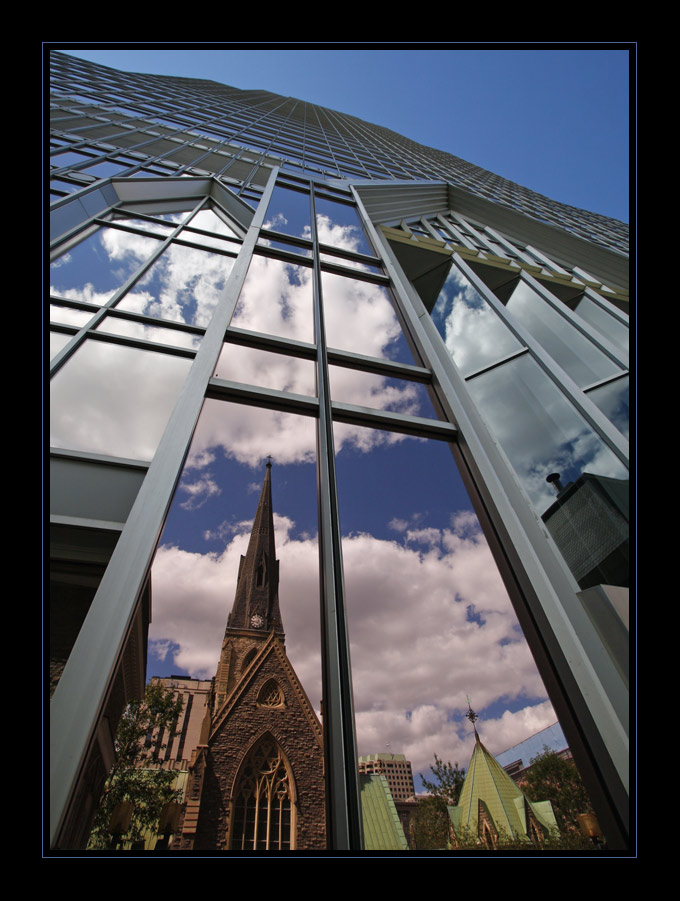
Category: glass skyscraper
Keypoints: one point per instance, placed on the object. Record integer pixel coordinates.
(266, 262)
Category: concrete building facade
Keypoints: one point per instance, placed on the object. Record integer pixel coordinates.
(457, 254)
(396, 769)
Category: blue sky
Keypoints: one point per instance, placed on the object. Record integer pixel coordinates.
(553, 119)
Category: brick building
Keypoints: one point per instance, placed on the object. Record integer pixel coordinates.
(256, 777)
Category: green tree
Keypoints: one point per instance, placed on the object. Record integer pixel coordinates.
(430, 822)
(552, 778)
(447, 782)
(132, 777)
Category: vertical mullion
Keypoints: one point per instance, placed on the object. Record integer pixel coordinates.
(344, 817)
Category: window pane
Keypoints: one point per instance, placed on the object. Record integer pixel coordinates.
(114, 400)
(200, 557)
(612, 399)
(94, 269)
(57, 342)
(474, 335)
(365, 389)
(338, 225)
(567, 346)
(543, 435)
(266, 370)
(430, 623)
(183, 285)
(276, 298)
(112, 325)
(360, 317)
(608, 325)
(68, 316)
(288, 212)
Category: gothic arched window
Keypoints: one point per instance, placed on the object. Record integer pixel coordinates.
(263, 801)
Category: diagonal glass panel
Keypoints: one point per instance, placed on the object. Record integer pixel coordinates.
(96, 267)
(578, 356)
(183, 285)
(474, 334)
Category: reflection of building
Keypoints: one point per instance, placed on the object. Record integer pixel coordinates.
(509, 307)
(491, 807)
(589, 522)
(256, 779)
(396, 769)
(517, 759)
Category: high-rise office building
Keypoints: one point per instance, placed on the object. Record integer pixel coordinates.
(396, 769)
(176, 206)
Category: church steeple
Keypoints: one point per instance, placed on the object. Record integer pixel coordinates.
(255, 614)
(256, 605)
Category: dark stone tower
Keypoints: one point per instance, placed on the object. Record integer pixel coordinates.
(256, 782)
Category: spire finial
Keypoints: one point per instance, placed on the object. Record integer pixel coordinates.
(472, 716)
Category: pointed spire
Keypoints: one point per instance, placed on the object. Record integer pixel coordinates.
(256, 605)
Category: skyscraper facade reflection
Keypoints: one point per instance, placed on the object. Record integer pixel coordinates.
(222, 249)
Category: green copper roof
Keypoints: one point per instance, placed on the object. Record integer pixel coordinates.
(487, 781)
(382, 828)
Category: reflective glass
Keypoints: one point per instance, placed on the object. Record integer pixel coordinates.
(94, 269)
(57, 184)
(205, 538)
(360, 317)
(265, 369)
(276, 298)
(430, 623)
(565, 344)
(113, 325)
(283, 245)
(539, 430)
(289, 212)
(114, 400)
(183, 285)
(105, 169)
(365, 389)
(608, 325)
(158, 228)
(473, 333)
(208, 220)
(68, 316)
(338, 225)
(612, 399)
(69, 158)
(57, 342)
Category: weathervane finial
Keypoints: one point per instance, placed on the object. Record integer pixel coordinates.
(471, 715)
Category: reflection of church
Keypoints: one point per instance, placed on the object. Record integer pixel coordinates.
(256, 780)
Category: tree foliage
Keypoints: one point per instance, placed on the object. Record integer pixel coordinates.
(447, 782)
(143, 731)
(552, 778)
(431, 819)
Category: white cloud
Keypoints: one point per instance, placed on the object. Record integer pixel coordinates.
(416, 650)
(199, 492)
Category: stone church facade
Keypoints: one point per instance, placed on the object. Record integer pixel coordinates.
(257, 776)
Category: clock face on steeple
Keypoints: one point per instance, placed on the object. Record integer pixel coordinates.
(256, 621)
